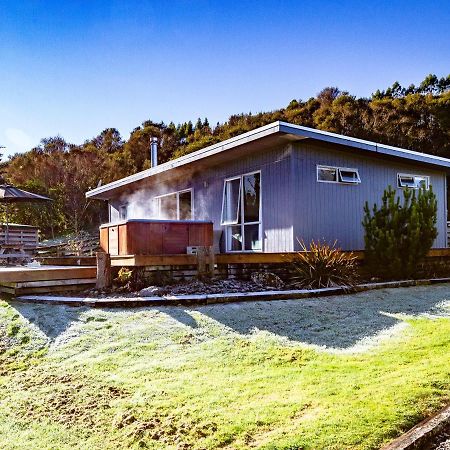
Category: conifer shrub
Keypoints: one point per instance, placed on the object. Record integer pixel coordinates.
(323, 265)
(399, 234)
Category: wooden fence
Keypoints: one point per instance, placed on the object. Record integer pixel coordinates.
(24, 235)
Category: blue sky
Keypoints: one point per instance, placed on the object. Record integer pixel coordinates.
(76, 67)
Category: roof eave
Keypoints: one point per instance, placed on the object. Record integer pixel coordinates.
(271, 129)
(211, 150)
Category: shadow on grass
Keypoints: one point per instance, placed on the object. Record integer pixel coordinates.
(51, 320)
(338, 322)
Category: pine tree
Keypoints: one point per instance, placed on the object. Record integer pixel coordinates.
(398, 236)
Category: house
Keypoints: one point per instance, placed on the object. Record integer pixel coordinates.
(265, 188)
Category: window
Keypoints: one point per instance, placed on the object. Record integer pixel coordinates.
(413, 181)
(175, 206)
(349, 176)
(329, 174)
(123, 213)
(231, 201)
(241, 212)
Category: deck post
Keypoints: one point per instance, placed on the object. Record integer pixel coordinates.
(104, 275)
(211, 261)
(205, 262)
(201, 262)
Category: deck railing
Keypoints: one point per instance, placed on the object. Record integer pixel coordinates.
(75, 247)
(24, 235)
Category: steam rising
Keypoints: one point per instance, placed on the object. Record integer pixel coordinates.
(143, 204)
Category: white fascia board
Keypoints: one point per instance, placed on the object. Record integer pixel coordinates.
(220, 147)
(362, 144)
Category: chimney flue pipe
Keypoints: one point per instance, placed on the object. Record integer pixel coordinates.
(154, 151)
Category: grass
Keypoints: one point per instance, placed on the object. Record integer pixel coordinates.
(143, 379)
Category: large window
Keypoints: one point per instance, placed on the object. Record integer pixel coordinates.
(241, 213)
(175, 206)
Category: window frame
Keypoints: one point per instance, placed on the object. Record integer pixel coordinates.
(322, 166)
(177, 194)
(413, 176)
(241, 216)
(338, 174)
(223, 201)
(348, 169)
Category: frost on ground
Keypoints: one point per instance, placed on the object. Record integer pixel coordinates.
(347, 323)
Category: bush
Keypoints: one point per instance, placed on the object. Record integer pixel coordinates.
(131, 279)
(323, 265)
(398, 236)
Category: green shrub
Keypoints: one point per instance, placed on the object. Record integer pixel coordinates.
(399, 235)
(131, 279)
(124, 276)
(323, 265)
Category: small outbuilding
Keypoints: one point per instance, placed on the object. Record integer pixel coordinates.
(265, 188)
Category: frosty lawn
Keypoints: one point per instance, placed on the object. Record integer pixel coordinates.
(337, 372)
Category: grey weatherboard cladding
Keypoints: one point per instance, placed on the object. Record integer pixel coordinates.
(335, 211)
(294, 204)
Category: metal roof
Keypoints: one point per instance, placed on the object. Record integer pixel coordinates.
(12, 194)
(274, 128)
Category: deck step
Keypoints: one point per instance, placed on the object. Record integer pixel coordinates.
(43, 280)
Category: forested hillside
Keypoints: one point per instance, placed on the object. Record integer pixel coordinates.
(416, 117)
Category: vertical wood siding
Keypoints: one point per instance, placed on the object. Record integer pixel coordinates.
(276, 178)
(294, 204)
(334, 211)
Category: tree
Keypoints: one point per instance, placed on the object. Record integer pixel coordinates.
(399, 235)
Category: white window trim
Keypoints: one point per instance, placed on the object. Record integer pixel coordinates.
(349, 169)
(338, 172)
(427, 180)
(321, 166)
(223, 199)
(177, 193)
(242, 224)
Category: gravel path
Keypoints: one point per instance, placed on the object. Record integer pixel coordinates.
(443, 440)
(444, 445)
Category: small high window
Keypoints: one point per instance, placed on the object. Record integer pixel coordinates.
(413, 181)
(349, 176)
(329, 174)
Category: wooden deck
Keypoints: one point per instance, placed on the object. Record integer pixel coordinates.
(230, 258)
(45, 279)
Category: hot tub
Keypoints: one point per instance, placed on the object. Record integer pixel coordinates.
(154, 237)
